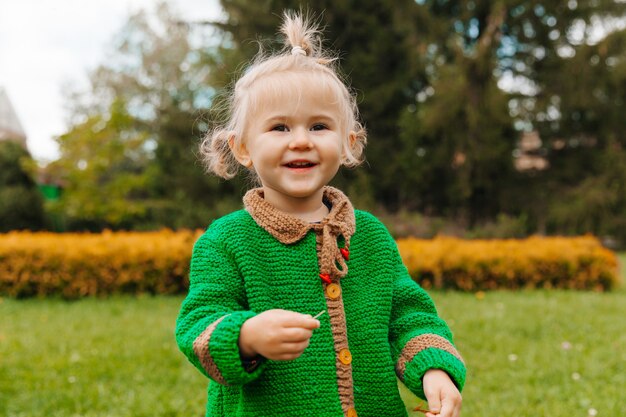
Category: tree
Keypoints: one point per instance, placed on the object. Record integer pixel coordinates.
(431, 76)
(445, 89)
(471, 45)
(375, 41)
(21, 204)
(144, 112)
(395, 52)
(105, 168)
(582, 122)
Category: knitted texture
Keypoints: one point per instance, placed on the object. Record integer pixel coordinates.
(288, 229)
(390, 325)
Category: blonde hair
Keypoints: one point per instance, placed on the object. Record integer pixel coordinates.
(302, 54)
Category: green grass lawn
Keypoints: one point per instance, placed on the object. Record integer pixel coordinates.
(92, 357)
(539, 353)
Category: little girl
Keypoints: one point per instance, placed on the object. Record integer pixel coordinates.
(298, 250)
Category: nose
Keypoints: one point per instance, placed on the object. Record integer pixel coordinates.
(300, 139)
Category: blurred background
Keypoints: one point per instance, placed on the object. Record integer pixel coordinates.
(485, 118)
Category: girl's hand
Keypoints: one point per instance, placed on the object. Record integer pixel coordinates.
(278, 335)
(444, 399)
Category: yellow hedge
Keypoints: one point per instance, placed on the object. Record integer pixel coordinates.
(536, 262)
(82, 264)
(75, 265)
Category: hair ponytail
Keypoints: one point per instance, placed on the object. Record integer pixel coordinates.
(300, 32)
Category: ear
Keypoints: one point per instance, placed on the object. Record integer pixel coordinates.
(239, 151)
(351, 139)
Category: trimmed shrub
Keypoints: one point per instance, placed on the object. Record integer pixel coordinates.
(73, 265)
(579, 263)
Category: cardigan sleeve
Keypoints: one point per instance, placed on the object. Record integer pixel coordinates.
(211, 316)
(420, 340)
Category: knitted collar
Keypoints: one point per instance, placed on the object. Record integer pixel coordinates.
(290, 229)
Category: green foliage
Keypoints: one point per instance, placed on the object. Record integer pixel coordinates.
(445, 89)
(105, 170)
(586, 143)
(502, 228)
(457, 148)
(130, 159)
(376, 42)
(21, 204)
(597, 203)
(442, 134)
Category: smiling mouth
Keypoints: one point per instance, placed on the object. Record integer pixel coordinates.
(300, 164)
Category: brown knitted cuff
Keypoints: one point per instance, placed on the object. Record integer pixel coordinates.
(420, 343)
(201, 349)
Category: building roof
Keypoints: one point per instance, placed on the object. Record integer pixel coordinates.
(10, 126)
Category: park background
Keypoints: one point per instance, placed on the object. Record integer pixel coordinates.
(486, 119)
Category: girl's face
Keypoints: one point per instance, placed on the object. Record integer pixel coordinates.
(293, 140)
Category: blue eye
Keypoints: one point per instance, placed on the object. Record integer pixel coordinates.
(280, 128)
(319, 126)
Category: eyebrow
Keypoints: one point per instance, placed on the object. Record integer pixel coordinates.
(275, 119)
(283, 118)
(324, 117)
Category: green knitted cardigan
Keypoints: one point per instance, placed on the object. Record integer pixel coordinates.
(380, 323)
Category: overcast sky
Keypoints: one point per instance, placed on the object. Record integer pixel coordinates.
(47, 44)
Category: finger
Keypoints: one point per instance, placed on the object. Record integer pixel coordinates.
(451, 404)
(434, 402)
(282, 356)
(305, 321)
(446, 411)
(294, 348)
(296, 334)
(310, 323)
(287, 356)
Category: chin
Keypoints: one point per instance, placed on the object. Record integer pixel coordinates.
(302, 193)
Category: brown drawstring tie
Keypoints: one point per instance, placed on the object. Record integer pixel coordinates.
(333, 259)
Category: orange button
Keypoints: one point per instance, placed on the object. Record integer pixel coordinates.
(345, 356)
(333, 290)
(351, 412)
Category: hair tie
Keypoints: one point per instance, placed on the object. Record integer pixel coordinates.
(297, 50)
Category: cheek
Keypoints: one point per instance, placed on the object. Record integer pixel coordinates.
(338, 150)
(266, 160)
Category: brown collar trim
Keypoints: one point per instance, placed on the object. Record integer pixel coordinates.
(289, 229)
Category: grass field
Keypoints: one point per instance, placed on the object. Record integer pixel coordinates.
(539, 353)
(622, 262)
